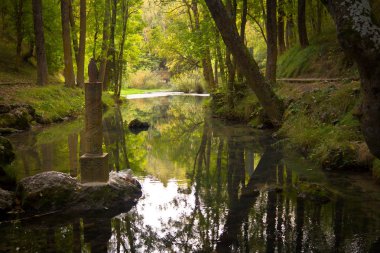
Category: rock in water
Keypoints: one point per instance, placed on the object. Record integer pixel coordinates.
(136, 126)
(47, 191)
(52, 191)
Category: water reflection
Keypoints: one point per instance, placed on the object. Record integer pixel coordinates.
(207, 187)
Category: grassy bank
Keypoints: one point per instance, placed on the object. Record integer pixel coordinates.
(53, 102)
(319, 121)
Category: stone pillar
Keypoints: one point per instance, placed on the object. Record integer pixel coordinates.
(94, 163)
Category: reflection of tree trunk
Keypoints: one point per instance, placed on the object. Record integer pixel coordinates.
(121, 131)
(280, 222)
(97, 233)
(73, 154)
(240, 208)
(128, 226)
(338, 223)
(77, 237)
(300, 214)
(50, 239)
(271, 222)
(47, 156)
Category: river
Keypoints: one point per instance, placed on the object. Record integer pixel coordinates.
(208, 186)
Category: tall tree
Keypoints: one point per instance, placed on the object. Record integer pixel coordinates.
(42, 67)
(67, 52)
(272, 105)
(19, 11)
(281, 27)
(105, 43)
(82, 44)
(302, 31)
(270, 71)
(359, 35)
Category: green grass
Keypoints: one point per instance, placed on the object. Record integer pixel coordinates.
(320, 124)
(323, 58)
(54, 102)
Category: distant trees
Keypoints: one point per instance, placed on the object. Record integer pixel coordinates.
(42, 67)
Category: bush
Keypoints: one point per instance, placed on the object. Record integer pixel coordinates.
(145, 79)
(189, 82)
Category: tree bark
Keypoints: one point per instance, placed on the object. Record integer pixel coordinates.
(67, 52)
(82, 44)
(19, 10)
(302, 31)
(272, 105)
(73, 31)
(42, 67)
(281, 27)
(270, 71)
(105, 43)
(359, 36)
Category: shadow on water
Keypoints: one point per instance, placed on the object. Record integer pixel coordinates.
(207, 187)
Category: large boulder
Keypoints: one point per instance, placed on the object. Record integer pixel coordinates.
(52, 191)
(47, 191)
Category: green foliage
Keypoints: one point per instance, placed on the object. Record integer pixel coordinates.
(323, 58)
(146, 79)
(189, 82)
(54, 101)
(320, 124)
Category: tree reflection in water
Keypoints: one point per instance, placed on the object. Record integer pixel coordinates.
(208, 187)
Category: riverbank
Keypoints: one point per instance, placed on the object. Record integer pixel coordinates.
(25, 105)
(321, 121)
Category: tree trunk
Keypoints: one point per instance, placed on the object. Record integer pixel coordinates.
(302, 31)
(270, 71)
(73, 31)
(125, 10)
(112, 49)
(105, 44)
(247, 65)
(19, 10)
(289, 36)
(67, 53)
(82, 44)
(42, 67)
(359, 36)
(220, 58)
(281, 27)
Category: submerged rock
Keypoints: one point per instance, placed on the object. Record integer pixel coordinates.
(136, 126)
(56, 191)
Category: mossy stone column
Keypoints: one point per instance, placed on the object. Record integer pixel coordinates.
(94, 163)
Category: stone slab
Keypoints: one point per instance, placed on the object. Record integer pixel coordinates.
(94, 168)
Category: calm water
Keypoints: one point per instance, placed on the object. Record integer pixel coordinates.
(207, 187)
